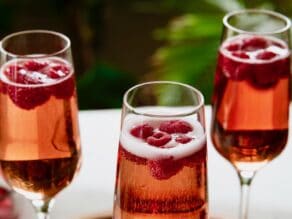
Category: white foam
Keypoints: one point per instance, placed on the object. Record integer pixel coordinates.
(282, 53)
(49, 82)
(173, 149)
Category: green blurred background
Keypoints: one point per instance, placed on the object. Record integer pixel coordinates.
(119, 43)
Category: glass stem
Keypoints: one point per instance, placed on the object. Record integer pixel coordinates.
(246, 178)
(42, 208)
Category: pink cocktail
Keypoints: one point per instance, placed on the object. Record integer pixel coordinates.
(251, 99)
(252, 92)
(161, 171)
(40, 145)
(39, 135)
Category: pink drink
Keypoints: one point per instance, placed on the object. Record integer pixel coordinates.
(161, 169)
(251, 99)
(39, 146)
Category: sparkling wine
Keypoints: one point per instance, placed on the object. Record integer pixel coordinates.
(161, 170)
(251, 99)
(40, 145)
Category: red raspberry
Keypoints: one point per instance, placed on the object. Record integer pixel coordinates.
(58, 71)
(33, 65)
(254, 43)
(183, 139)
(234, 70)
(3, 193)
(264, 75)
(3, 87)
(158, 139)
(65, 89)
(28, 97)
(241, 55)
(142, 131)
(175, 126)
(283, 66)
(266, 55)
(165, 168)
(233, 47)
(12, 73)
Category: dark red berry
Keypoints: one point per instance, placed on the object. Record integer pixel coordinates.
(254, 43)
(158, 139)
(235, 70)
(264, 75)
(3, 193)
(165, 168)
(233, 47)
(12, 73)
(27, 97)
(33, 65)
(183, 139)
(175, 126)
(240, 54)
(65, 89)
(142, 131)
(266, 55)
(61, 69)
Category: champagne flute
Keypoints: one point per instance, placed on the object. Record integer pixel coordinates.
(161, 170)
(251, 95)
(39, 135)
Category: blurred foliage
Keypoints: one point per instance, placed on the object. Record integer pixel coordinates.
(109, 55)
(102, 86)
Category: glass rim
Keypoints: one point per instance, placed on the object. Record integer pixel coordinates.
(134, 110)
(259, 11)
(35, 31)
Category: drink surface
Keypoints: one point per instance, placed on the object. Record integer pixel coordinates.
(251, 99)
(161, 169)
(40, 145)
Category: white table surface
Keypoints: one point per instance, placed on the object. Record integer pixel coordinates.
(92, 190)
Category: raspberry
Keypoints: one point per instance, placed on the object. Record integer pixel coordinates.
(58, 71)
(158, 139)
(241, 55)
(266, 55)
(12, 73)
(3, 193)
(233, 47)
(33, 65)
(65, 89)
(3, 87)
(175, 126)
(27, 98)
(183, 139)
(283, 66)
(142, 131)
(165, 168)
(264, 75)
(235, 70)
(31, 72)
(254, 43)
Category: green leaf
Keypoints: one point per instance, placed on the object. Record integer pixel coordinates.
(193, 64)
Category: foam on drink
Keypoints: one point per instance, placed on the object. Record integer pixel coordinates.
(172, 149)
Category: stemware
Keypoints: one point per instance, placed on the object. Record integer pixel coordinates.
(39, 136)
(161, 170)
(252, 92)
